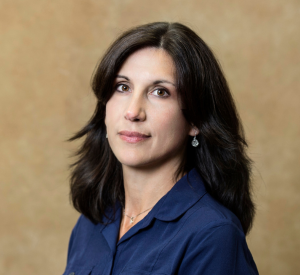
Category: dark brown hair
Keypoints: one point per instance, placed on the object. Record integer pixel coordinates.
(220, 158)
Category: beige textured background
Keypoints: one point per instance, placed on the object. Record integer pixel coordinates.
(48, 50)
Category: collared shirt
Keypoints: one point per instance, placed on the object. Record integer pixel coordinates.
(186, 232)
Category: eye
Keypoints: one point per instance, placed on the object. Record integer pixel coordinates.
(122, 88)
(160, 93)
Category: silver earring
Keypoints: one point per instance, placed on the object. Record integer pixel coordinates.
(106, 135)
(195, 142)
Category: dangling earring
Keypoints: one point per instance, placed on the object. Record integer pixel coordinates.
(195, 142)
(106, 135)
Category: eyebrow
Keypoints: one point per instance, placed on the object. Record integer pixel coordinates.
(155, 82)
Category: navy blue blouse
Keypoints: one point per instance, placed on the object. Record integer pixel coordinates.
(186, 232)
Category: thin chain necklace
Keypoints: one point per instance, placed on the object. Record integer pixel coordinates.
(132, 218)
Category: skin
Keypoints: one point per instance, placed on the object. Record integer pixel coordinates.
(145, 100)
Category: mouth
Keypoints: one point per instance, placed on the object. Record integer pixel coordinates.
(133, 137)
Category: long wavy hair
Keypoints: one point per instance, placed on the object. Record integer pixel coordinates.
(221, 160)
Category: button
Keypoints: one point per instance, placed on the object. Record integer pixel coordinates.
(72, 273)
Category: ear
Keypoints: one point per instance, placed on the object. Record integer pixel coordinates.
(194, 131)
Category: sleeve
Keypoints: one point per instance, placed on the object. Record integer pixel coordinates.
(218, 249)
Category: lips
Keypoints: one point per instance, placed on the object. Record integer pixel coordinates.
(133, 137)
(133, 134)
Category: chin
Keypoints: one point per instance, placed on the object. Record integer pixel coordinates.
(138, 160)
(133, 162)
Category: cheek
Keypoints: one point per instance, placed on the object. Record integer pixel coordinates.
(110, 112)
(171, 124)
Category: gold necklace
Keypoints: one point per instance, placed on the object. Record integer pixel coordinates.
(132, 218)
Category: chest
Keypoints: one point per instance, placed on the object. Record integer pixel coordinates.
(155, 250)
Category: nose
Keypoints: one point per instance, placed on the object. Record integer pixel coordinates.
(136, 109)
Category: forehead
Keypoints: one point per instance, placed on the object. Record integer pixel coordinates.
(150, 62)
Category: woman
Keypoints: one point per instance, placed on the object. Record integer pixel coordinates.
(162, 179)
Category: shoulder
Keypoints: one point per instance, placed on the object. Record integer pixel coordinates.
(83, 227)
(206, 239)
(190, 201)
(215, 240)
(80, 236)
(208, 213)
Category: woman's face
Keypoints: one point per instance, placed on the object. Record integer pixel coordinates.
(145, 124)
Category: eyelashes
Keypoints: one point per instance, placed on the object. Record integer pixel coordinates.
(158, 92)
(122, 88)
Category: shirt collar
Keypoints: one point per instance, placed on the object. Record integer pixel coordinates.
(184, 194)
(111, 230)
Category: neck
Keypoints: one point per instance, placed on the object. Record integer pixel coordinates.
(144, 187)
